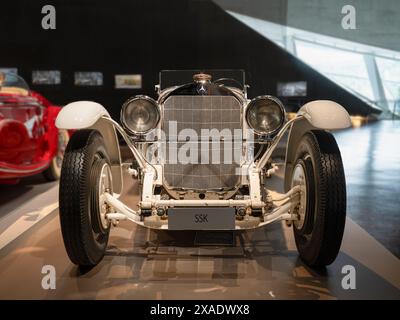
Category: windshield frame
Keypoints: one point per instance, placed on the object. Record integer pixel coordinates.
(174, 78)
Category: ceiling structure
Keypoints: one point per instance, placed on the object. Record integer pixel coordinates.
(364, 61)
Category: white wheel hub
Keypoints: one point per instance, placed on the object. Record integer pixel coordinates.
(299, 179)
(105, 186)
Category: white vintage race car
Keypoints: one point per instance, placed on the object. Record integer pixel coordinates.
(202, 156)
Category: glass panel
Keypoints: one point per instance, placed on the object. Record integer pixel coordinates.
(389, 70)
(344, 67)
(355, 84)
(169, 78)
(392, 89)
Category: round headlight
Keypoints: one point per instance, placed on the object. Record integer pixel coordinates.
(140, 114)
(265, 115)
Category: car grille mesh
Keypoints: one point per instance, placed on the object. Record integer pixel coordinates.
(197, 113)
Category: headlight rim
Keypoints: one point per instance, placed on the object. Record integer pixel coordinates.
(278, 102)
(126, 104)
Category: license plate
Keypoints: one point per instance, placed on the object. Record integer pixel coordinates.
(201, 219)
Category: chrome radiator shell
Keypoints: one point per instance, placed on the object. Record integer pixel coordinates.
(211, 167)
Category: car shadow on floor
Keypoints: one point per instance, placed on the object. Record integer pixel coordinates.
(256, 259)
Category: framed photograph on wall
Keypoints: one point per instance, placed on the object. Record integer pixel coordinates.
(128, 81)
(47, 77)
(9, 70)
(292, 89)
(88, 78)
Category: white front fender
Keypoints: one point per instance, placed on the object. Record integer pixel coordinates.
(90, 115)
(80, 115)
(317, 115)
(325, 114)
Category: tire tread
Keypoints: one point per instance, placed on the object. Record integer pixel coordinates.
(74, 190)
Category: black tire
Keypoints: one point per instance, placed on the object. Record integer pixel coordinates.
(84, 237)
(53, 172)
(319, 237)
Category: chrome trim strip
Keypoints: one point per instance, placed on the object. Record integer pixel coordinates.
(22, 170)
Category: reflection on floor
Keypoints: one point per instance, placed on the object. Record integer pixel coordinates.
(25, 204)
(259, 264)
(371, 157)
(12, 196)
(143, 264)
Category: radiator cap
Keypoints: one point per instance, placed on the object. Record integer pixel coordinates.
(202, 77)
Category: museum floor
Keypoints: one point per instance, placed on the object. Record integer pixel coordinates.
(259, 264)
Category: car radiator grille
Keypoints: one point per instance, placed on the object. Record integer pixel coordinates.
(199, 168)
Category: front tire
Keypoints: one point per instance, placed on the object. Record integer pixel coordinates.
(318, 168)
(85, 176)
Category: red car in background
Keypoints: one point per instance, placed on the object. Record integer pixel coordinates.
(30, 143)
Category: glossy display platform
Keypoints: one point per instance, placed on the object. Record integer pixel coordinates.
(259, 264)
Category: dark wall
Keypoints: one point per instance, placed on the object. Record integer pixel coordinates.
(146, 36)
